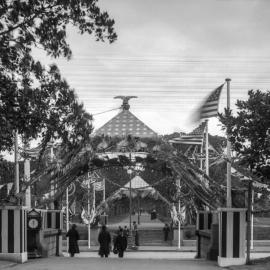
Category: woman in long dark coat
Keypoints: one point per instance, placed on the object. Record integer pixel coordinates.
(73, 236)
(104, 239)
(120, 243)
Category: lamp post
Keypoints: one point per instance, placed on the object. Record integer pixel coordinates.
(129, 171)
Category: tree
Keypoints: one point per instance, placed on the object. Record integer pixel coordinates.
(36, 100)
(249, 132)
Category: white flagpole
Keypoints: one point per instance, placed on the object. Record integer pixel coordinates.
(16, 154)
(201, 158)
(229, 184)
(88, 213)
(94, 197)
(252, 222)
(104, 194)
(104, 198)
(52, 192)
(206, 149)
(27, 179)
(179, 221)
(67, 217)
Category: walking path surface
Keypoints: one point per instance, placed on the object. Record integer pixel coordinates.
(113, 263)
(133, 260)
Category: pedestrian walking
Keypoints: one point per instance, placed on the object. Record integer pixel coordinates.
(73, 237)
(104, 239)
(135, 226)
(120, 244)
(119, 229)
(136, 233)
(137, 238)
(166, 231)
(126, 231)
(153, 214)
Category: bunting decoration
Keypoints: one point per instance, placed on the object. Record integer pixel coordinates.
(99, 186)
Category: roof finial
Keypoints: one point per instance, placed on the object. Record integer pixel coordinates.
(125, 105)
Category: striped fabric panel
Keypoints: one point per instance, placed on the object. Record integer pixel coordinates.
(186, 139)
(12, 231)
(204, 220)
(57, 221)
(195, 137)
(232, 234)
(49, 220)
(4, 231)
(21, 230)
(210, 107)
(236, 234)
(223, 234)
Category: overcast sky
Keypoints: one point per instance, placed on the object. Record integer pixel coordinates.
(171, 54)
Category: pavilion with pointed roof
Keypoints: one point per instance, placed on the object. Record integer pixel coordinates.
(125, 123)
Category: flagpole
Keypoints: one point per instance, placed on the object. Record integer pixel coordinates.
(179, 211)
(252, 222)
(104, 189)
(94, 197)
(229, 184)
(201, 158)
(206, 149)
(27, 179)
(52, 187)
(88, 213)
(67, 218)
(16, 154)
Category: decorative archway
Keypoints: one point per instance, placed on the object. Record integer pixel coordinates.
(166, 159)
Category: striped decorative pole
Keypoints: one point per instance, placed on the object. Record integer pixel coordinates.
(13, 231)
(232, 236)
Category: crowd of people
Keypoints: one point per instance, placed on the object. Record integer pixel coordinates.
(117, 244)
(119, 241)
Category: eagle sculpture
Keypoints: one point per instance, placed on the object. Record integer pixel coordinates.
(125, 105)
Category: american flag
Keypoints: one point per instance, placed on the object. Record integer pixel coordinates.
(99, 186)
(194, 138)
(210, 106)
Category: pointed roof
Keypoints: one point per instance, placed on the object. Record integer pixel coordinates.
(137, 182)
(125, 123)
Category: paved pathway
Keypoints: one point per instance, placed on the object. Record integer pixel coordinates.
(149, 260)
(113, 263)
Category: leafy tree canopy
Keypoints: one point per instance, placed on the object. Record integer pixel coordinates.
(249, 132)
(33, 99)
